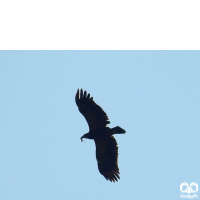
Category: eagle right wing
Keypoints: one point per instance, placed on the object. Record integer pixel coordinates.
(107, 155)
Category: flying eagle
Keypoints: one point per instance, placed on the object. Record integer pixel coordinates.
(106, 145)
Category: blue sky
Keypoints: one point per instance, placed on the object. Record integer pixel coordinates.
(153, 95)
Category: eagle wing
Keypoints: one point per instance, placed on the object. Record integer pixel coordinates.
(107, 155)
(93, 113)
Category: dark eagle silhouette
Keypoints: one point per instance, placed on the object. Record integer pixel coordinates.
(106, 145)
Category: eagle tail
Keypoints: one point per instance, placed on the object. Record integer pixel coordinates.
(118, 130)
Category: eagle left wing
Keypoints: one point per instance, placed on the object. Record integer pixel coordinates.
(93, 113)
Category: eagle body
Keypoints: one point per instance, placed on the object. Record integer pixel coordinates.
(106, 145)
(98, 133)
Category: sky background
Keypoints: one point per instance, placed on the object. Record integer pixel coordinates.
(153, 95)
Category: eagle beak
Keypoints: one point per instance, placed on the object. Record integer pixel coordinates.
(82, 139)
(83, 136)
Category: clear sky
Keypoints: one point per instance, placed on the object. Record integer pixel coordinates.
(153, 95)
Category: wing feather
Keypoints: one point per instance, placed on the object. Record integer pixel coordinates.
(93, 113)
(107, 156)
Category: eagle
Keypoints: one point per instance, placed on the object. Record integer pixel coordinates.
(106, 145)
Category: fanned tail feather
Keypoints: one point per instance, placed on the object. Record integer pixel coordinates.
(118, 130)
